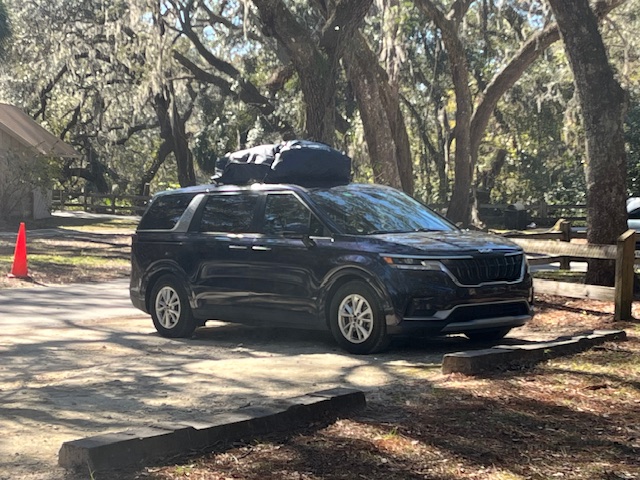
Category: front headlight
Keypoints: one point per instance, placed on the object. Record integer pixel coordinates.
(411, 263)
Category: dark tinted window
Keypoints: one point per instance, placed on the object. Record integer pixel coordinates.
(228, 213)
(635, 214)
(285, 214)
(368, 210)
(165, 211)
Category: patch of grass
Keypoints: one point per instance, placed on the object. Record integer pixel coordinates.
(85, 261)
(84, 224)
(70, 258)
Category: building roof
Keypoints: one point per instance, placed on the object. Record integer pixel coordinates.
(28, 132)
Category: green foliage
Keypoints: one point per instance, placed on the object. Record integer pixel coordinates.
(542, 138)
(22, 172)
(91, 71)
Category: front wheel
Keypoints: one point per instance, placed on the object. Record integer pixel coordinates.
(170, 309)
(356, 319)
(487, 335)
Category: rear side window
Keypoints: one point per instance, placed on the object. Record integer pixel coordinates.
(228, 213)
(165, 211)
(285, 215)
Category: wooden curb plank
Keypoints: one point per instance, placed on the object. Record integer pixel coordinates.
(504, 357)
(140, 446)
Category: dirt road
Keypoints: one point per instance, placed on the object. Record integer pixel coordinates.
(65, 376)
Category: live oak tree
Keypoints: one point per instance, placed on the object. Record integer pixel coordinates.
(309, 43)
(316, 60)
(448, 25)
(96, 75)
(141, 86)
(471, 122)
(603, 104)
(378, 99)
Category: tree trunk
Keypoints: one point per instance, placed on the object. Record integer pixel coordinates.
(181, 150)
(166, 147)
(173, 133)
(459, 206)
(382, 119)
(315, 61)
(5, 30)
(603, 102)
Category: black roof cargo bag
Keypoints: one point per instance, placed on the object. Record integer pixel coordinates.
(298, 161)
(246, 166)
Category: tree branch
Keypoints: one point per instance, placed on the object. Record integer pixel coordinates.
(251, 97)
(280, 23)
(512, 71)
(131, 131)
(204, 76)
(73, 122)
(342, 24)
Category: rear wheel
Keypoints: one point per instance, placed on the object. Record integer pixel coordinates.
(487, 335)
(356, 319)
(170, 309)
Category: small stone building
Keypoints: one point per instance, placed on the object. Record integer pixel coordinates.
(24, 144)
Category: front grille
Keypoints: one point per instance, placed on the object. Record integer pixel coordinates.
(486, 269)
(498, 310)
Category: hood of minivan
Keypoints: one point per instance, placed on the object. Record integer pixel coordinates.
(450, 242)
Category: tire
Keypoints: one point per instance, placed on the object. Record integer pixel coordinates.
(170, 309)
(487, 335)
(356, 319)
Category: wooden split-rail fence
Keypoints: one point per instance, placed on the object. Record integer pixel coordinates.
(100, 202)
(541, 249)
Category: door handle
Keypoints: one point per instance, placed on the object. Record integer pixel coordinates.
(237, 247)
(261, 248)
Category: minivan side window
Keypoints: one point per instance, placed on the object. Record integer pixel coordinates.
(228, 213)
(165, 211)
(635, 214)
(285, 214)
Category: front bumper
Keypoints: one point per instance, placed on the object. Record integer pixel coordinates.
(466, 323)
(431, 303)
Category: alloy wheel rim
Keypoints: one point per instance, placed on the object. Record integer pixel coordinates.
(168, 307)
(355, 318)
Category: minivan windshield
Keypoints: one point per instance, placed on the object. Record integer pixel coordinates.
(374, 209)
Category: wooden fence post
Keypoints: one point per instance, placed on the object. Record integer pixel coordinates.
(625, 259)
(85, 199)
(565, 230)
(543, 211)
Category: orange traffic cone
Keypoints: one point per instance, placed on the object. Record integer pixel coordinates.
(19, 269)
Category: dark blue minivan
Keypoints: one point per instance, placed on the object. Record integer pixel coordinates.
(364, 261)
